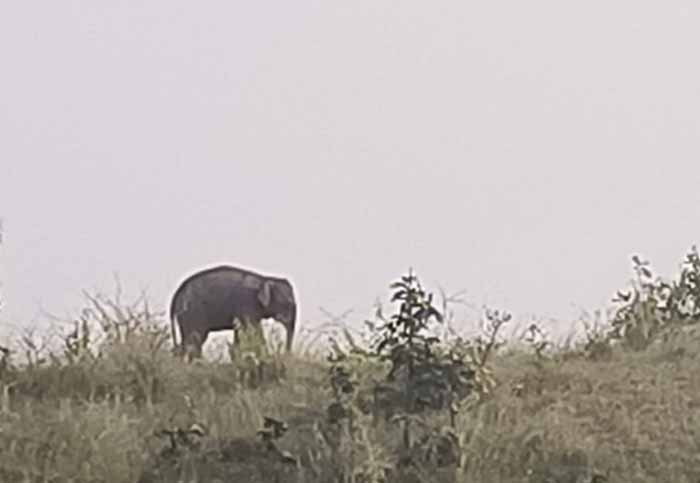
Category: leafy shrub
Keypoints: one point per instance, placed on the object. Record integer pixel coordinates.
(653, 306)
(417, 374)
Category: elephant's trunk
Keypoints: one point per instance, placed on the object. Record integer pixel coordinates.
(290, 330)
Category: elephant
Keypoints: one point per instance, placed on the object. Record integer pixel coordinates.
(226, 297)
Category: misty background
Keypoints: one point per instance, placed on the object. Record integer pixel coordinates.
(521, 151)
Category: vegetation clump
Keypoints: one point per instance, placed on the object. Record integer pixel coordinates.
(654, 307)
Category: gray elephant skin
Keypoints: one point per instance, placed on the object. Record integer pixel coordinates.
(213, 299)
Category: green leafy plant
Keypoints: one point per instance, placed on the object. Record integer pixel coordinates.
(653, 306)
(403, 339)
(684, 297)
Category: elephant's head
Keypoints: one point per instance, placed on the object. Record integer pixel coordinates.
(277, 299)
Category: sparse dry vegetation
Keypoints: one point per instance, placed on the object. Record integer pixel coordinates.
(406, 402)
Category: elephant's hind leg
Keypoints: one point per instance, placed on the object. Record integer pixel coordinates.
(193, 342)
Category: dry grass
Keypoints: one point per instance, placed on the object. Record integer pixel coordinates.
(112, 404)
(630, 418)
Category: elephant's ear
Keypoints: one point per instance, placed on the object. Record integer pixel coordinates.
(264, 294)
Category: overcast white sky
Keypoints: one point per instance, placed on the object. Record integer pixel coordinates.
(522, 151)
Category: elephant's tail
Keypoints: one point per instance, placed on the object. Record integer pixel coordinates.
(173, 316)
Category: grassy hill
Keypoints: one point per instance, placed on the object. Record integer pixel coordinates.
(114, 405)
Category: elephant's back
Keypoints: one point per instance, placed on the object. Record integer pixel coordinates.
(213, 284)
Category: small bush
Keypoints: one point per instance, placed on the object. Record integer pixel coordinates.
(653, 307)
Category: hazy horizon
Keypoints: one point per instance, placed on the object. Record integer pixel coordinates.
(520, 152)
